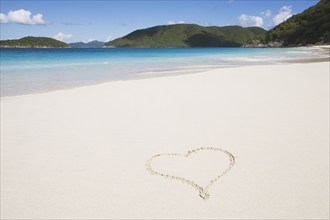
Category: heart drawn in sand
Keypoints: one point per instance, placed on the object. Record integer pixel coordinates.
(203, 191)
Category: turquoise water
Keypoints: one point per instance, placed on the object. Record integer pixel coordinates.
(25, 71)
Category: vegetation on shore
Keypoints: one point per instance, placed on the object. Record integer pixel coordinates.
(309, 27)
(34, 42)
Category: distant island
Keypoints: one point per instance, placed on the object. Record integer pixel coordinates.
(311, 27)
(92, 44)
(34, 42)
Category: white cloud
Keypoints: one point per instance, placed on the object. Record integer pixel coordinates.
(266, 13)
(22, 16)
(3, 19)
(173, 22)
(283, 14)
(63, 37)
(89, 40)
(249, 20)
(108, 39)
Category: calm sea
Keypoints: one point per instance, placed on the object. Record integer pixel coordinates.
(25, 71)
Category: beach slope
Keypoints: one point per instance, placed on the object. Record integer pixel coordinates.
(81, 153)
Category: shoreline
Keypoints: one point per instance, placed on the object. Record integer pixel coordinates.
(315, 60)
(82, 153)
(322, 46)
(173, 73)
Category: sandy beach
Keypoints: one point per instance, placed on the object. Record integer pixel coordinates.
(82, 153)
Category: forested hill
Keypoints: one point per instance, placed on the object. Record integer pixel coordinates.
(188, 35)
(309, 27)
(34, 42)
(92, 44)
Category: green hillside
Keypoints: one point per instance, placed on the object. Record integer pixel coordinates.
(309, 27)
(34, 42)
(188, 35)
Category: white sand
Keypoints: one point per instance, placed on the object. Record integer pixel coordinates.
(81, 153)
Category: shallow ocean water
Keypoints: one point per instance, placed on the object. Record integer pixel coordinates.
(26, 71)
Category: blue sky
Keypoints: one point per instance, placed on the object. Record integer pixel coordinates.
(86, 20)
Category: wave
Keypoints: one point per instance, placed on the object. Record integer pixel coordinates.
(33, 72)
